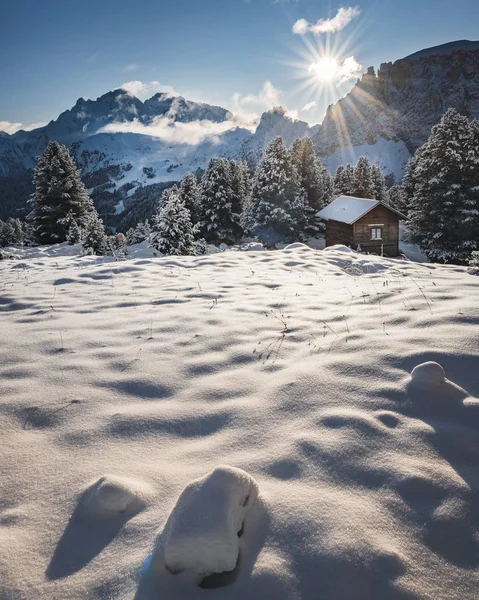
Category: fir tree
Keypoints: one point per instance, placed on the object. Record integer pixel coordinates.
(240, 183)
(172, 231)
(220, 208)
(444, 209)
(343, 182)
(190, 196)
(140, 233)
(314, 179)
(398, 199)
(363, 186)
(74, 231)
(93, 236)
(379, 184)
(277, 207)
(58, 191)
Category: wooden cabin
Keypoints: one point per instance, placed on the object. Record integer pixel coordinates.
(364, 222)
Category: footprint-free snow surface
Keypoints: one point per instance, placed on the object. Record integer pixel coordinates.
(342, 476)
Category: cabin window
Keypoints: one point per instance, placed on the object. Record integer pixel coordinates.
(376, 233)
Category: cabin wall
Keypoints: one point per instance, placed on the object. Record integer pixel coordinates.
(339, 233)
(381, 216)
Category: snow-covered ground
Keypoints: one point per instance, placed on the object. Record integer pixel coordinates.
(124, 382)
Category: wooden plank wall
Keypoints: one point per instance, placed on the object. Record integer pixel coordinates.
(390, 237)
(338, 233)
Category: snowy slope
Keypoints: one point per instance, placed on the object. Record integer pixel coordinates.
(390, 155)
(124, 382)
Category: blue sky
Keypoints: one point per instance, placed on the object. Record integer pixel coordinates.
(219, 51)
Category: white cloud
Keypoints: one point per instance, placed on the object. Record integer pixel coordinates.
(268, 97)
(11, 128)
(132, 67)
(343, 17)
(309, 106)
(350, 69)
(174, 132)
(144, 90)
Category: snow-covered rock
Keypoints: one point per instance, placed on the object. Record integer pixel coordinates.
(111, 495)
(428, 374)
(204, 528)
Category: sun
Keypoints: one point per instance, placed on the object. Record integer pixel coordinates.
(325, 69)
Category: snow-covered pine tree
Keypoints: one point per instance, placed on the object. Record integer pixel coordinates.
(408, 182)
(58, 191)
(220, 208)
(240, 183)
(444, 209)
(398, 199)
(190, 195)
(379, 184)
(74, 231)
(363, 186)
(172, 231)
(140, 233)
(314, 179)
(277, 208)
(343, 182)
(93, 237)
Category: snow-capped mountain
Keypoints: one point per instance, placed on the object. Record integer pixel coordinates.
(388, 115)
(123, 145)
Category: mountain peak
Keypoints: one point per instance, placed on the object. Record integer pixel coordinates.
(447, 48)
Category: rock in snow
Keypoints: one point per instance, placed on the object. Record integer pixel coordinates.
(112, 495)
(205, 525)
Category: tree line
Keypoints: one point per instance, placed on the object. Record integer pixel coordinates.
(277, 202)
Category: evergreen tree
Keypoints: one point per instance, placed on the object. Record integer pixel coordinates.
(93, 236)
(140, 233)
(74, 231)
(220, 207)
(408, 183)
(444, 209)
(190, 196)
(379, 184)
(12, 232)
(58, 191)
(343, 182)
(397, 198)
(363, 186)
(240, 183)
(172, 231)
(277, 207)
(314, 179)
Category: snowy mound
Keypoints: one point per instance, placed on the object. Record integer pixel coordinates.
(111, 495)
(207, 521)
(428, 374)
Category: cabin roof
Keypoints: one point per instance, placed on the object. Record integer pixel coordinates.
(348, 209)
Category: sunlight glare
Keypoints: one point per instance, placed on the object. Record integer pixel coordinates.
(325, 69)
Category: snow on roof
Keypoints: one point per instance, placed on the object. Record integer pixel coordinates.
(347, 209)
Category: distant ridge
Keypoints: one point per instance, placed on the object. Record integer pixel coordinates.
(445, 49)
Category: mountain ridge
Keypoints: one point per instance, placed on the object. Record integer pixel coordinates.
(123, 144)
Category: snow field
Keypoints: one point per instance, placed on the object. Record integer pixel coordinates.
(293, 366)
